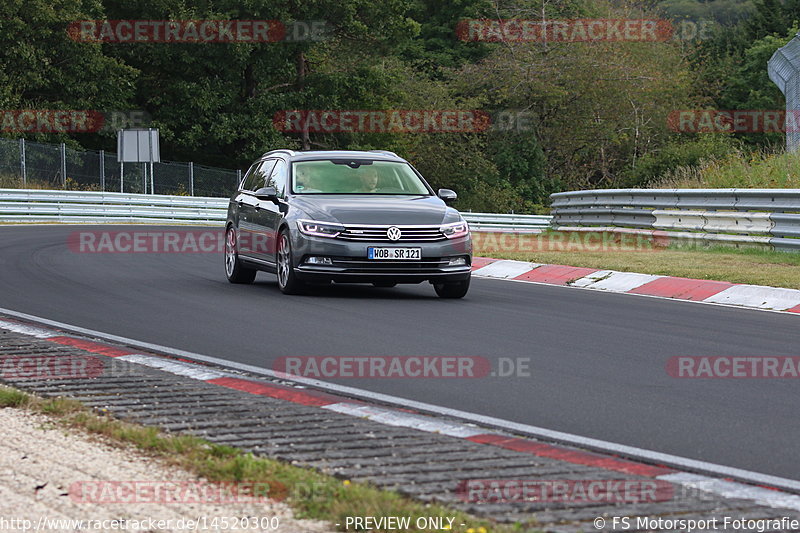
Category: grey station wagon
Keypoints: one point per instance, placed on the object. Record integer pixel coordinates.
(348, 217)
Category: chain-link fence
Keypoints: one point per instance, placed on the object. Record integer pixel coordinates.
(784, 70)
(56, 166)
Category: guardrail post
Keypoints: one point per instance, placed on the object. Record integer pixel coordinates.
(103, 170)
(144, 178)
(22, 167)
(191, 178)
(63, 148)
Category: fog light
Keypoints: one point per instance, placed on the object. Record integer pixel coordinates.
(319, 261)
(457, 261)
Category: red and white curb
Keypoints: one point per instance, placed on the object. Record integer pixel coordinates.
(696, 290)
(766, 495)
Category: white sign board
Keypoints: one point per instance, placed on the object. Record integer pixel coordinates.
(138, 146)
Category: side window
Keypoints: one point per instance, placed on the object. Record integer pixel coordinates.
(278, 177)
(255, 180)
(247, 176)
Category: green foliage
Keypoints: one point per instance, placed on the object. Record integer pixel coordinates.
(749, 86)
(12, 397)
(680, 152)
(521, 165)
(760, 169)
(436, 47)
(41, 67)
(722, 11)
(596, 113)
(732, 64)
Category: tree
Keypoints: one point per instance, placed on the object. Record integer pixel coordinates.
(41, 67)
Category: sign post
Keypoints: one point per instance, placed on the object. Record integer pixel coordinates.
(139, 146)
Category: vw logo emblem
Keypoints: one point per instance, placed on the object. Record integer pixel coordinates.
(394, 233)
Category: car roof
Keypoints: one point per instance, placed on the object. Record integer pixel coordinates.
(377, 155)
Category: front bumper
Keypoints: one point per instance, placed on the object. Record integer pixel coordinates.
(349, 262)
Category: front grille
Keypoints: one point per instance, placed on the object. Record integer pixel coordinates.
(367, 265)
(378, 234)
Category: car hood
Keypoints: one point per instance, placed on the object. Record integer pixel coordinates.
(362, 209)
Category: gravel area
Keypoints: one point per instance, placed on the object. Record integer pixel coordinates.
(40, 464)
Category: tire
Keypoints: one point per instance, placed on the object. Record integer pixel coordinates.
(235, 271)
(457, 289)
(385, 284)
(287, 279)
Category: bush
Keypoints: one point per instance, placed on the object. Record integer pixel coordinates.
(657, 164)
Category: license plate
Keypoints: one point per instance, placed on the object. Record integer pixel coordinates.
(394, 254)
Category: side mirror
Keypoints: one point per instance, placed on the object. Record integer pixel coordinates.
(447, 195)
(267, 193)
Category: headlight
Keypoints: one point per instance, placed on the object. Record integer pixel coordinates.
(455, 230)
(320, 229)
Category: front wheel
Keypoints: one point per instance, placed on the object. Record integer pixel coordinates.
(456, 289)
(287, 279)
(234, 270)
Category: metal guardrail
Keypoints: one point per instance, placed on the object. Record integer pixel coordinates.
(17, 205)
(507, 223)
(767, 217)
(27, 205)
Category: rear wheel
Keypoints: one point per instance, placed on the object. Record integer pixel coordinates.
(456, 289)
(287, 280)
(234, 269)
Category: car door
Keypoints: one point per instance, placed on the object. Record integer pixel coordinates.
(251, 237)
(269, 214)
(239, 212)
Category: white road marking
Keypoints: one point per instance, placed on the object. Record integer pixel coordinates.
(732, 489)
(758, 296)
(611, 280)
(28, 330)
(179, 368)
(505, 269)
(393, 417)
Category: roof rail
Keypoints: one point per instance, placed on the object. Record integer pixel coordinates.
(386, 152)
(290, 152)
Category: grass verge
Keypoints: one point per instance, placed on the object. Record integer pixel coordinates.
(311, 494)
(740, 169)
(633, 254)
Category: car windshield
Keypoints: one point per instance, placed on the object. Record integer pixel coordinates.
(356, 177)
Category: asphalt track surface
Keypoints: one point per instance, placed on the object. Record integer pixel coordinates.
(597, 359)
